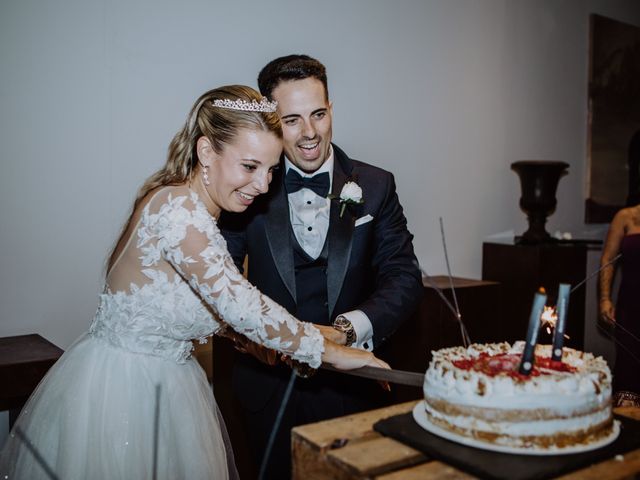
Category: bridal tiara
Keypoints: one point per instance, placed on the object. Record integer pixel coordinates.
(253, 106)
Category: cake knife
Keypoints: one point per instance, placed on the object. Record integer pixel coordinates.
(399, 377)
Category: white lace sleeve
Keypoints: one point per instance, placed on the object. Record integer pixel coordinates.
(189, 239)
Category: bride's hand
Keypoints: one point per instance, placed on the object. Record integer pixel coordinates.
(346, 358)
(332, 334)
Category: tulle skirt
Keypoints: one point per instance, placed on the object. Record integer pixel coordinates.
(106, 413)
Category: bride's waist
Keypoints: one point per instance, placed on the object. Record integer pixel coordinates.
(141, 341)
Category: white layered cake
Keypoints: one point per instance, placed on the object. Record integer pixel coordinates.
(477, 393)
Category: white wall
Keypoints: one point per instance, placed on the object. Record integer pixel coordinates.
(446, 94)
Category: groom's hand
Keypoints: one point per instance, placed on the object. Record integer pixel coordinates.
(244, 345)
(263, 354)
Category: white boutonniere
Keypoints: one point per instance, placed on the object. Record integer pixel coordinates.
(351, 194)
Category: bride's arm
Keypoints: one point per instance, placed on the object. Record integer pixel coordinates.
(187, 237)
(341, 357)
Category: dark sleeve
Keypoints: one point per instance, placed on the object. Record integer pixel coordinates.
(233, 229)
(398, 282)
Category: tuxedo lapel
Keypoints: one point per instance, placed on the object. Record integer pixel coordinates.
(279, 238)
(340, 234)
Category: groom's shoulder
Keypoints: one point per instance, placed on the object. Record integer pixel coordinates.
(369, 169)
(360, 167)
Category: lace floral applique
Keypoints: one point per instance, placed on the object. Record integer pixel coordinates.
(179, 230)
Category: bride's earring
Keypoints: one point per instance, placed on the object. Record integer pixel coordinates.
(205, 174)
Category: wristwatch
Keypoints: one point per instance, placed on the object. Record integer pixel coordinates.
(342, 324)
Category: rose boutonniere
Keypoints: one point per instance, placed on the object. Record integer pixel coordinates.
(351, 194)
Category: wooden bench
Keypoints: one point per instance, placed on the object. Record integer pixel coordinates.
(24, 361)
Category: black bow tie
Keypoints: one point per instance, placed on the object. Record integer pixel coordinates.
(319, 183)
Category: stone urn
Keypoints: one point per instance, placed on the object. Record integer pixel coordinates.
(538, 183)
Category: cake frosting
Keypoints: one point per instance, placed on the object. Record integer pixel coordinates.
(477, 392)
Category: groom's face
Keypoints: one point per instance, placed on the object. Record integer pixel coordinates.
(306, 122)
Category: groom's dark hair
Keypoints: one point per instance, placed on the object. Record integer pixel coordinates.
(291, 67)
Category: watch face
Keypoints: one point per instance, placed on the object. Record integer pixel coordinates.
(342, 321)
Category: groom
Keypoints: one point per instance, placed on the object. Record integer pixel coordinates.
(344, 262)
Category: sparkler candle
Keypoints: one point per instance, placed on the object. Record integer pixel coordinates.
(548, 319)
(528, 354)
(558, 335)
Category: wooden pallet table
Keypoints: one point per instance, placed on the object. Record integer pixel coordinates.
(347, 448)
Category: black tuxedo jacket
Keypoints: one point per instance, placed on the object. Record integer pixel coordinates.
(371, 267)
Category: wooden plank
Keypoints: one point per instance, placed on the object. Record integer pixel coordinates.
(375, 456)
(333, 432)
(631, 412)
(358, 460)
(443, 283)
(432, 470)
(310, 463)
(311, 443)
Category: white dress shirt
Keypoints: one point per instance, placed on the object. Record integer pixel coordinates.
(309, 212)
(309, 217)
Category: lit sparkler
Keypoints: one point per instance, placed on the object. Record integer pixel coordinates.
(549, 319)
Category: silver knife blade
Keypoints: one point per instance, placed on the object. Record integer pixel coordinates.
(399, 377)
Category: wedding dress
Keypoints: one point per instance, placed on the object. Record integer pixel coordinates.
(127, 400)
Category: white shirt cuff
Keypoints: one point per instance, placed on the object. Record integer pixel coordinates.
(364, 329)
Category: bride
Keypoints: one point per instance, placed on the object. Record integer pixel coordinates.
(127, 400)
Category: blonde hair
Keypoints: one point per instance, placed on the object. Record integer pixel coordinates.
(219, 125)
